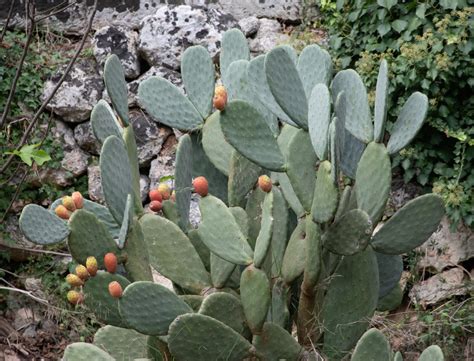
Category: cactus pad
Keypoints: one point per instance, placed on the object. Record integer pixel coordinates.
(216, 147)
(184, 179)
(319, 114)
(295, 254)
(325, 195)
(390, 270)
(314, 67)
(234, 47)
(121, 343)
(127, 220)
(104, 123)
(81, 351)
(221, 270)
(242, 176)
(432, 353)
(275, 343)
(117, 87)
(262, 243)
(41, 226)
(372, 346)
(381, 95)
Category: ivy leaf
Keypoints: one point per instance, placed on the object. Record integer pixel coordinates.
(29, 153)
(383, 28)
(449, 4)
(420, 11)
(399, 25)
(387, 4)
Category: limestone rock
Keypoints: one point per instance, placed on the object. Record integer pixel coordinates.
(85, 138)
(276, 9)
(268, 36)
(75, 162)
(249, 25)
(94, 186)
(64, 135)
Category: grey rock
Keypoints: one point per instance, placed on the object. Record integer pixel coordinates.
(268, 36)
(120, 41)
(194, 212)
(35, 286)
(149, 136)
(55, 177)
(165, 35)
(75, 162)
(64, 135)
(80, 91)
(164, 165)
(249, 25)
(277, 9)
(144, 187)
(85, 138)
(94, 186)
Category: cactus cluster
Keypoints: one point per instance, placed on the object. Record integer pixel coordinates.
(281, 242)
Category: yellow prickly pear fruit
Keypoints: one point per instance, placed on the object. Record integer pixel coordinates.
(91, 265)
(265, 183)
(69, 203)
(82, 272)
(165, 190)
(78, 199)
(220, 98)
(75, 297)
(74, 280)
(62, 212)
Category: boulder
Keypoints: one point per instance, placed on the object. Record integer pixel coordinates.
(268, 36)
(75, 161)
(276, 9)
(64, 135)
(165, 35)
(120, 41)
(249, 25)
(85, 138)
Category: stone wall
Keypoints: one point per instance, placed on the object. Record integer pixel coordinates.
(130, 13)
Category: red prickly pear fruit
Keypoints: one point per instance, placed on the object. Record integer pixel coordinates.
(75, 297)
(115, 289)
(265, 183)
(82, 272)
(78, 199)
(91, 265)
(155, 195)
(155, 206)
(164, 190)
(62, 212)
(201, 186)
(73, 280)
(110, 262)
(69, 203)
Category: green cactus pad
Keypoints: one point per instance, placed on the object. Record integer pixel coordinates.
(216, 147)
(221, 233)
(301, 170)
(286, 85)
(284, 138)
(149, 308)
(360, 121)
(104, 123)
(170, 211)
(313, 261)
(381, 95)
(197, 71)
(247, 131)
(166, 104)
(392, 300)
(280, 297)
(373, 180)
(116, 176)
(372, 346)
(295, 254)
(314, 67)
(131, 147)
(409, 122)
(41, 226)
(241, 218)
(275, 343)
(351, 154)
(137, 263)
(279, 231)
(81, 351)
(196, 337)
(117, 87)
(319, 116)
(410, 226)
(350, 234)
(127, 220)
(390, 270)
(398, 356)
(343, 205)
(184, 179)
(200, 247)
(103, 215)
(325, 195)
(166, 243)
(121, 343)
(350, 302)
(289, 193)
(258, 82)
(99, 301)
(202, 165)
(254, 212)
(193, 301)
(255, 295)
(234, 47)
(432, 353)
(226, 308)
(243, 175)
(221, 270)
(89, 237)
(262, 244)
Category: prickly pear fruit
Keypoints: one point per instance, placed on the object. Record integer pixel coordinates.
(68, 202)
(265, 183)
(220, 98)
(75, 297)
(155, 206)
(115, 289)
(62, 212)
(74, 280)
(201, 186)
(164, 190)
(91, 265)
(155, 195)
(82, 272)
(78, 199)
(110, 262)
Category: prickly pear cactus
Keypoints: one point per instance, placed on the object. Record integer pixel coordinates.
(294, 247)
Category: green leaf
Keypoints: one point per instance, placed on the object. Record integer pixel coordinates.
(383, 28)
(399, 25)
(420, 11)
(387, 4)
(449, 4)
(29, 153)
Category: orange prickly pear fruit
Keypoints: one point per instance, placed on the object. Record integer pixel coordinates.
(265, 183)
(75, 297)
(155, 206)
(110, 262)
(220, 98)
(69, 203)
(62, 212)
(74, 280)
(155, 195)
(165, 191)
(82, 272)
(201, 186)
(91, 265)
(78, 199)
(115, 289)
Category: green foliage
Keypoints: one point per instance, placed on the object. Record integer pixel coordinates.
(429, 48)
